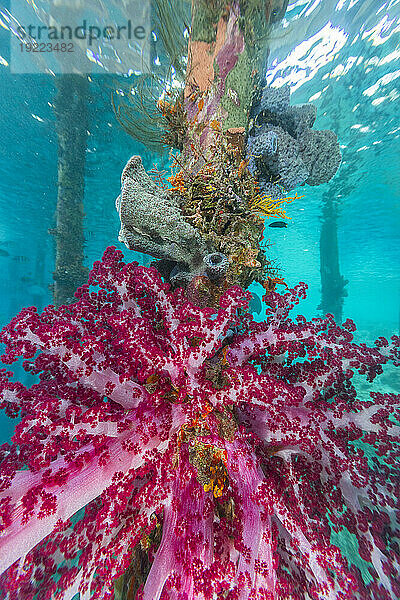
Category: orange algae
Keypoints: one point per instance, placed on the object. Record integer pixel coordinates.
(271, 207)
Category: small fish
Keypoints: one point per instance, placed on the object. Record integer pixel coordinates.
(278, 224)
(21, 259)
(255, 304)
(4, 252)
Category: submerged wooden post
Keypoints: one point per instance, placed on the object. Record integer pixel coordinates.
(226, 61)
(71, 113)
(332, 282)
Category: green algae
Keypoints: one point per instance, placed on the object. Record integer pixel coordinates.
(205, 17)
(238, 92)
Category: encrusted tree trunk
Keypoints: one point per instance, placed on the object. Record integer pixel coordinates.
(332, 282)
(71, 112)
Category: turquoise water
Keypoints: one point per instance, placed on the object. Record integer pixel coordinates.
(343, 56)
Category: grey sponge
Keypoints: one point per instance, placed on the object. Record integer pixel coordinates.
(286, 165)
(216, 265)
(320, 153)
(275, 100)
(152, 222)
(283, 149)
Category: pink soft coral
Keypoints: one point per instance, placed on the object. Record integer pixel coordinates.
(248, 453)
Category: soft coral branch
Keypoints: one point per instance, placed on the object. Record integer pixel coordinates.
(246, 442)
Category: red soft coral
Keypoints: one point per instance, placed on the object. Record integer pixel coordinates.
(245, 442)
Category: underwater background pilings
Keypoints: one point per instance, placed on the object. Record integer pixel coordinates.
(70, 107)
(332, 282)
